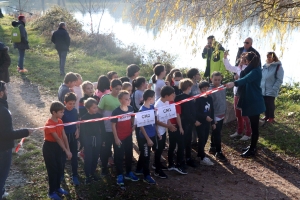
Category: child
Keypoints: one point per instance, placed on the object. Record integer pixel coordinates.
(124, 79)
(127, 86)
(167, 94)
(205, 115)
(112, 75)
(72, 133)
(170, 76)
(77, 90)
(103, 86)
(91, 133)
(188, 118)
(88, 91)
(107, 105)
(133, 71)
(55, 144)
(140, 84)
(150, 84)
(219, 102)
(69, 82)
(194, 75)
(177, 76)
(122, 132)
(158, 79)
(147, 139)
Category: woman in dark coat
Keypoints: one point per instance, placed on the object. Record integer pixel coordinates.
(251, 100)
(4, 63)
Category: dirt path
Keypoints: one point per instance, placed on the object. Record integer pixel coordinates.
(268, 176)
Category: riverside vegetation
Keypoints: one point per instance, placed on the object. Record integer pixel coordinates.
(90, 60)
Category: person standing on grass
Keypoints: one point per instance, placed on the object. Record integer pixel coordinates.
(61, 39)
(4, 63)
(251, 99)
(69, 82)
(7, 137)
(55, 144)
(23, 45)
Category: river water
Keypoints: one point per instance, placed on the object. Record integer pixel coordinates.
(172, 40)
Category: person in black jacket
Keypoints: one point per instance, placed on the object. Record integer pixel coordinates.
(246, 48)
(188, 117)
(23, 45)
(7, 137)
(205, 115)
(4, 63)
(61, 39)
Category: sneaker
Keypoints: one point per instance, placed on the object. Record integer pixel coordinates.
(221, 157)
(75, 180)
(171, 167)
(161, 166)
(120, 180)
(88, 180)
(23, 70)
(54, 196)
(180, 170)
(160, 174)
(138, 172)
(212, 150)
(190, 162)
(131, 176)
(148, 179)
(62, 191)
(5, 195)
(245, 138)
(206, 161)
(234, 135)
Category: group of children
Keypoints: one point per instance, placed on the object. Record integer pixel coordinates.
(112, 96)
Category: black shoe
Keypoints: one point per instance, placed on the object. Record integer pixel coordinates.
(180, 170)
(162, 167)
(212, 150)
(245, 149)
(160, 174)
(221, 157)
(249, 153)
(190, 162)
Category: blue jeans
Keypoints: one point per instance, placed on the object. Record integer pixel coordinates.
(5, 162)
(21, 58)
(62, 61)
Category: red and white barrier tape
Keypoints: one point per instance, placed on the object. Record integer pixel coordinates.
(222, 87)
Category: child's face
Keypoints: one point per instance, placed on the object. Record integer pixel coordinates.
(115, 91)
(176, 80)
(125, 100)
(129, 89)
(59, 114)
(72, 84)
(204, 89)
(144, 86)
(78, 82)
(93, 109)
(115, 76)
(89, 90)
(163, 74)
(170, 97)
(70, 105)
(151, 100)
(216, 80)
(197, 77)
(136, 74)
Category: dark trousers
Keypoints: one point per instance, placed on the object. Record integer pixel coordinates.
(92, 146)
(176, 138)
(21, 58)
(216, 136)
(202, 132)
(124, 148)
(270, 107)
(144, 158)
(160, 146)
(107, 142)
(188, 133)
(254, 120)
(62, 61)
(73, 148)
(5, 162)
(52, 154)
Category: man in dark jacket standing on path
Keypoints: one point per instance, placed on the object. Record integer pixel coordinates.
(61, 39)
(7, 137)
(246, 48)
(23, 45)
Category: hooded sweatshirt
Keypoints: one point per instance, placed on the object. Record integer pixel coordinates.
(219, 101)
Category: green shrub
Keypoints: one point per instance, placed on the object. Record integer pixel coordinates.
(290, 92)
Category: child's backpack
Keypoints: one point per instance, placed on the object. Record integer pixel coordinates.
(16, 35)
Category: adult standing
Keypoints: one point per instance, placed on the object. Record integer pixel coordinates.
(246, 48)
(213, 53)
(23, 45)
(272, 78)
(61, 39)
(7, 137)
(4, 63)
(251, 100)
